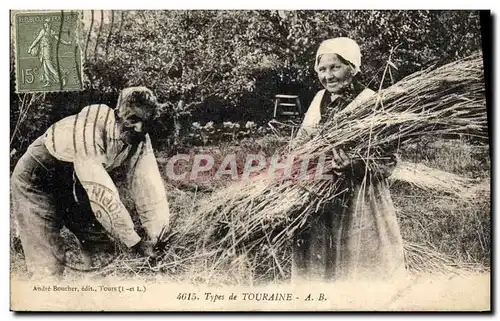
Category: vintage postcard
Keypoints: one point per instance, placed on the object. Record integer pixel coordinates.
(267, 160)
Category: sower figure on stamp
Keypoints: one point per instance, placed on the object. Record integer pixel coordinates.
(63, 180)
(43, 47)
(357, 235)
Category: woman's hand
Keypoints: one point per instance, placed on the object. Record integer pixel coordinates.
(342, 164)
(386, 166)
(340, 161)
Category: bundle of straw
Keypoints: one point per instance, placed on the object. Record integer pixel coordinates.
(268, 211)
(423, 258)
(431, 179)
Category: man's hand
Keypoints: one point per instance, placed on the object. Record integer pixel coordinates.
(144, 248)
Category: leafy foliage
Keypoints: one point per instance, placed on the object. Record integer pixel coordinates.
(228, 65)
(222, 60)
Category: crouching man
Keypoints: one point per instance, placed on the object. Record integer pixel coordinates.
(63, 180)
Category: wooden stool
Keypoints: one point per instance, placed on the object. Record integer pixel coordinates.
(290, 105)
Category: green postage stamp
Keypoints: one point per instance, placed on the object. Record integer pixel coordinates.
(47, 52)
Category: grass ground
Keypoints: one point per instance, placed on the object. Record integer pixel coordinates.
(456, 226)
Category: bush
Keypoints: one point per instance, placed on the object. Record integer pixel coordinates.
(229, 65)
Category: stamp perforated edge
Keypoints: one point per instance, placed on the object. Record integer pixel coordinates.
(13, 33)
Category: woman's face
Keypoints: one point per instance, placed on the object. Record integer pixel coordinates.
(333, 74)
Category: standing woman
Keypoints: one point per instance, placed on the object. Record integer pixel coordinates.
(357, 235)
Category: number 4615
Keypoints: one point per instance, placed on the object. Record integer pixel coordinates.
(28, 75)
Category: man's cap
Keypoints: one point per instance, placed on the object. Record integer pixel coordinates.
(141, 97)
